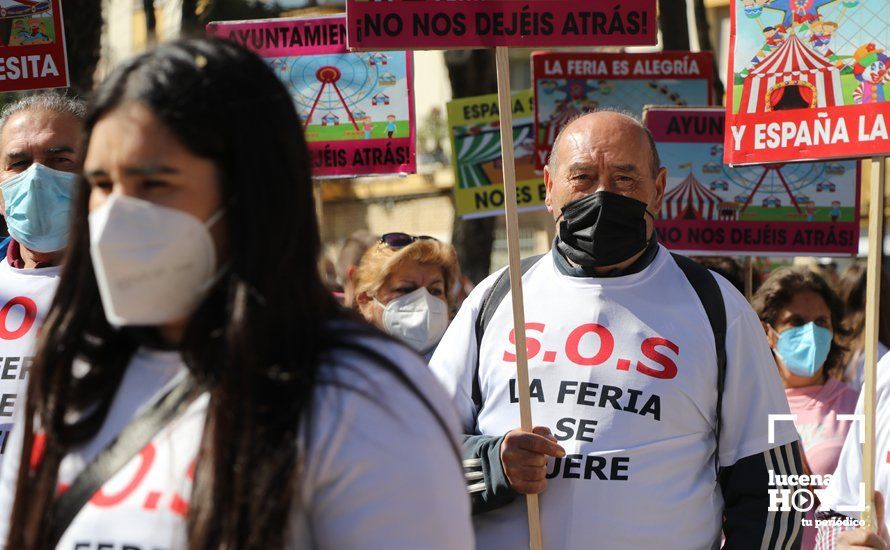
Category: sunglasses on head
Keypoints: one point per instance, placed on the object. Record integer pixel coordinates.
(401, 240)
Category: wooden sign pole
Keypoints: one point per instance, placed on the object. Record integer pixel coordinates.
(319, 202)
(508, 162)
(872, 307)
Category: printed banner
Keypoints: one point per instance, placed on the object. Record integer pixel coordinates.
(431, 24)
(32, 45)
(474, 126)
(569, 84)
(808, 81)
(357, 108)
(809, 208)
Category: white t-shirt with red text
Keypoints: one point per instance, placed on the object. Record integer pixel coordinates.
(623, 371)
(844, 494)
(25, 298)
(380, 471)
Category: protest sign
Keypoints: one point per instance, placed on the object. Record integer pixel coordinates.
(710, 208)
(32, 45)
(474, 126)
(431, 24)
(569, 84)
(357, 108)
(809, 81)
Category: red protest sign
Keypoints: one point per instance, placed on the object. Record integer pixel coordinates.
(569, 84)
(431, 24)
(809, 83)
(711, 208)
(32, 45)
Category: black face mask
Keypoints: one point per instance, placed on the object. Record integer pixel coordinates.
(602, 229)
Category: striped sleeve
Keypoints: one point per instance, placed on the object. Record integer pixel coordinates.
(828, 531)
(755, 515)
(486, 482)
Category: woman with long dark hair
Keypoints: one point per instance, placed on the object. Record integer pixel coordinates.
(190, 313)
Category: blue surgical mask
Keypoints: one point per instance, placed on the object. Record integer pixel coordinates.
(38, 206)
(804, 349)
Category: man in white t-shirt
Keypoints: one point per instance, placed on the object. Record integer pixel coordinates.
(840, 505)
(40, 149)
(624, 382)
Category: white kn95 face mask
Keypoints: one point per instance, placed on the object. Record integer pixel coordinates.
(418, 318)
(153, 264)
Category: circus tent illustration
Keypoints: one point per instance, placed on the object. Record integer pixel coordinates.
(791, 71)
(476, 148)
(691, 201)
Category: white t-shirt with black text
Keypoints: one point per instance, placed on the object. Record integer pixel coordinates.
(25, 298)
(623, 371)
(380, 472)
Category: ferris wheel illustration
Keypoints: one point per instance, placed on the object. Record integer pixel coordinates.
(327, 86)
(776, 183)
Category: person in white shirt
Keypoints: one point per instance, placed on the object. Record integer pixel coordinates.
(40, 150)
(840, 505)
(195, 385)
(629, 450)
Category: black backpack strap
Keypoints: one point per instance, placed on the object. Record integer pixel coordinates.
(128, 443)
(490, 302)
(708, 291)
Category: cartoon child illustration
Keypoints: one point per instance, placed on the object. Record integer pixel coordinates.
(835, 210)
(870, 69)
(811, 211)
(19, 26)
(29, 32)
(821, 32)
(367, 126)
(390, 125)
(774, 35)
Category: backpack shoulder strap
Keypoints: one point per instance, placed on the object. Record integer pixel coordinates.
(490, 302)
(136, 435)
(708, 291)
(4, 246)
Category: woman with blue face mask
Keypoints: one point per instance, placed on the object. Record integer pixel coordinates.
(802, 315)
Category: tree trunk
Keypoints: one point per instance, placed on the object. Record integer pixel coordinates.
(674, 25)
(190, 26)
(472, 73)
(83, 30)
(705, 44)
(148, 6)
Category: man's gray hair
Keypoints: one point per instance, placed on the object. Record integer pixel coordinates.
(655, 166)
(44, 101)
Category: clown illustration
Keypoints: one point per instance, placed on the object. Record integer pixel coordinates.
(870, 69)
